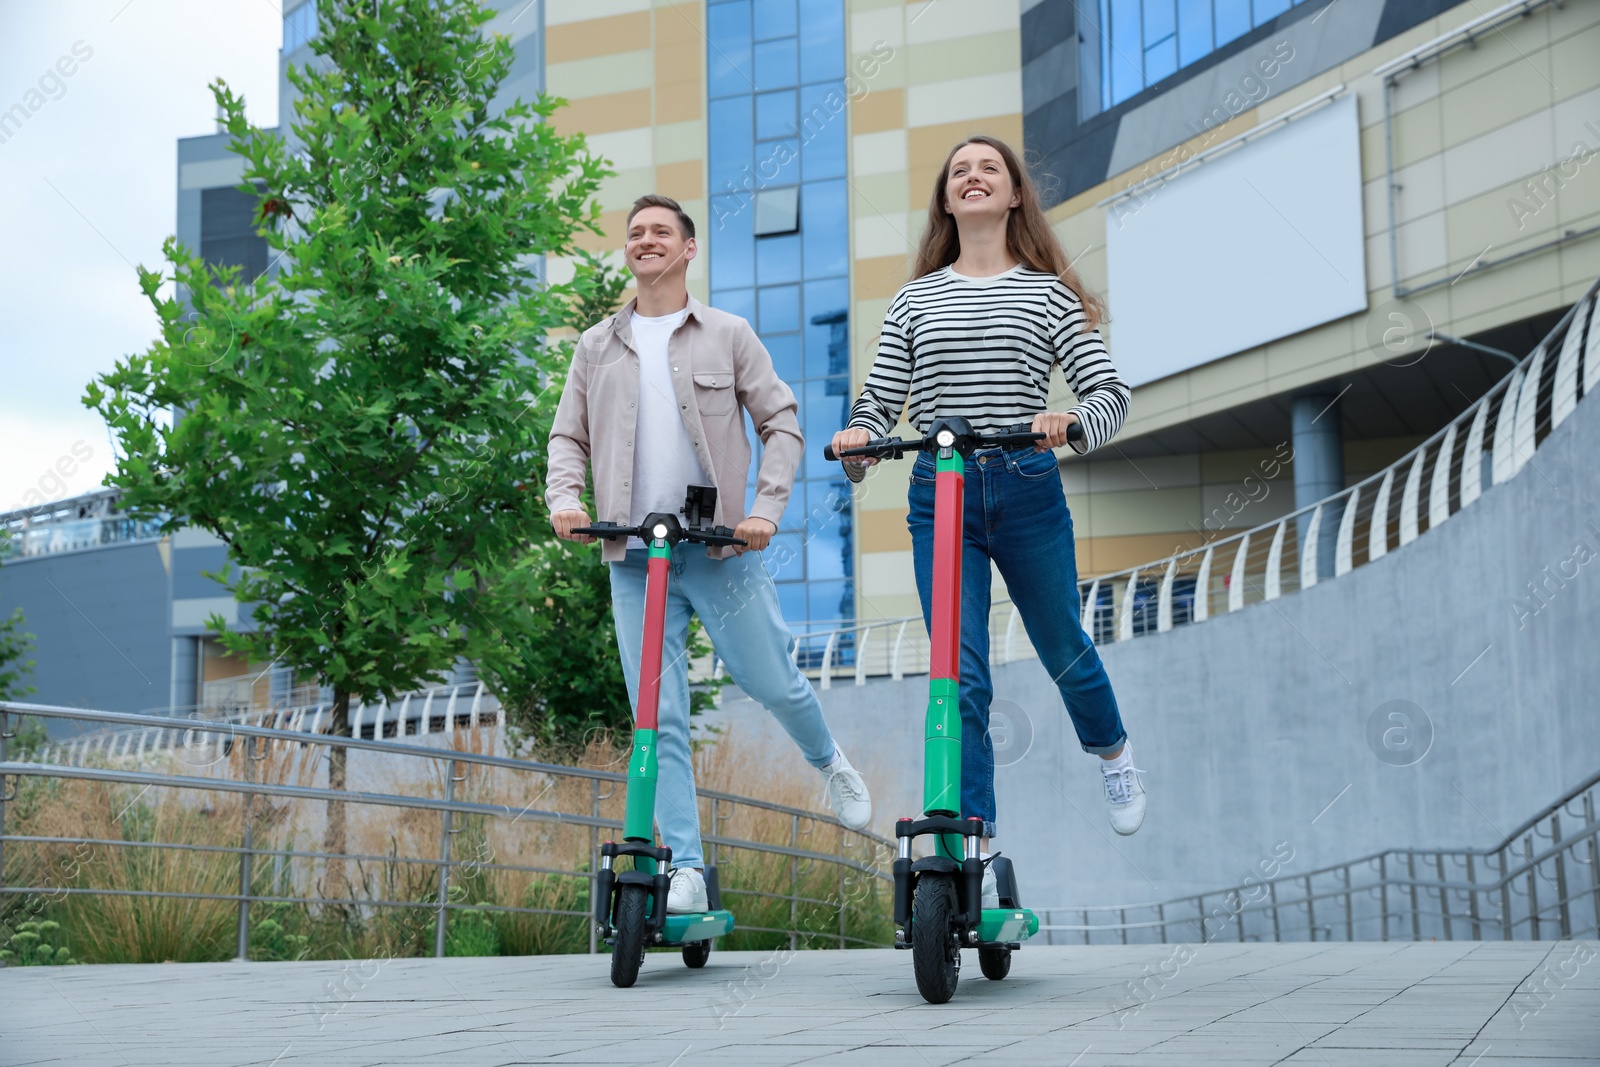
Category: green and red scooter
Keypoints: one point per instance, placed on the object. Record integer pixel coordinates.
(630, 906)
(938, 898)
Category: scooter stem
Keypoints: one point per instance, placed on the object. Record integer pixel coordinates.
(638, 821)
(941, 783)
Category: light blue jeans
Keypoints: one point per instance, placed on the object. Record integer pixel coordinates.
(738, 606)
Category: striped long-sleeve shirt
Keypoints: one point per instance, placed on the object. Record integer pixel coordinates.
(982, 348)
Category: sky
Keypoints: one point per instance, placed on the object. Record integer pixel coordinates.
(88, 190)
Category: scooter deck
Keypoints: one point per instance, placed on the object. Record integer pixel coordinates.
(1006, 924)
(701, 926)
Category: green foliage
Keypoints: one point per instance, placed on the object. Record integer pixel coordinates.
(37, 944)
(471, 932)
(15, 644)
(361, 425)
(274, 932)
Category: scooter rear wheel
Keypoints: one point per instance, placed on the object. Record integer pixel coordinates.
(696, 953)
(627, 948)
(935, 956)
(996, 962)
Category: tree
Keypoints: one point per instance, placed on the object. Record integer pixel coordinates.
(361, 427)
(15, 644)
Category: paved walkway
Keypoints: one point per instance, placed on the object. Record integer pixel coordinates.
(1375, 1005)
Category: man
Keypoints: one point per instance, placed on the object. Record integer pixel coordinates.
(654, 403)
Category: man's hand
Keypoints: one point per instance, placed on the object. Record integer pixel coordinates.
(1053, 424)
(853, 437)
(756, 531)
(567, 521)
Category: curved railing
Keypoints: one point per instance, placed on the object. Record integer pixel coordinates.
(819, 869)
(441, 710)
(1541, 882)
(1486, 445)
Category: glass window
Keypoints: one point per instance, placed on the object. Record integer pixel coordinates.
(827, 548)
(822, 41)
(775, 115)
(785, 557)
(784, 348)
(828, 604)
(1123, 66)
(740, 302)
(1232, 19)
(794, 513)
(822, 129)
(777, 163)
(728, 52)
(792, 601)
(776, 65)
(1266, 10)
(824, 222)
(732, 243)
(731, 148)
(774, 18)
(1158, 21)
(1160, 60)
(777, 211)
(778, 260)
(827, 340)
(779, 308)
(1194, 30)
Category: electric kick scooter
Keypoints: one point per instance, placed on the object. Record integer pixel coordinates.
(938, 899)
(630, 906)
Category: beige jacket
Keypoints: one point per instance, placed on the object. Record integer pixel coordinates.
(720, 369)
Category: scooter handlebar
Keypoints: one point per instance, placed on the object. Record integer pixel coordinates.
(610, 531)
(895, 447)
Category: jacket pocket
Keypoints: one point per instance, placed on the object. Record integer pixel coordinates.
(713, 391)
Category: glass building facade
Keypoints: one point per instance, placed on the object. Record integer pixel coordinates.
(1143, 41)
(779, 256)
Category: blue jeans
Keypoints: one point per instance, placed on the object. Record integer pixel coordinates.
(738, 606)
(1016, 515)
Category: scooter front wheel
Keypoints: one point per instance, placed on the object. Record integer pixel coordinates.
(627, 948)
(935, 956)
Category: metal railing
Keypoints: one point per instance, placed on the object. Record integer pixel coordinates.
(1541, 882)
(441, 710)
(860, 858)
(1486, 445)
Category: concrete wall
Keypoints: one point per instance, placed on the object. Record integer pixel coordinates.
(99, 618)
(1253, 728)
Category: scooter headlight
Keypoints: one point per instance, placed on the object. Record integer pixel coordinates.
(659, 531)
(945, 439)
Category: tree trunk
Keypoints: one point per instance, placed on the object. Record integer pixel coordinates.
(336, 884)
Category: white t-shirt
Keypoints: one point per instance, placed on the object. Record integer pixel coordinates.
(664, 460)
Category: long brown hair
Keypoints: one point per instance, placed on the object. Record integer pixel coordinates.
(1029, 238)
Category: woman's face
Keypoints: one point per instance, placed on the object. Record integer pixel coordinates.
(978, 184)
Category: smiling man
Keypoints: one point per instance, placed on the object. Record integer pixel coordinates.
(655, 402)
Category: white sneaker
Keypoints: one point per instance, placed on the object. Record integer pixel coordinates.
(847, 793)
(1124, 796)
(687, 896)
(991, 886)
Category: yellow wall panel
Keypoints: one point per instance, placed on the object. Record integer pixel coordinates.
(605, 114)
(597, 37)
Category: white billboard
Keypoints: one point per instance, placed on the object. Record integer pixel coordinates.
(1263, 241)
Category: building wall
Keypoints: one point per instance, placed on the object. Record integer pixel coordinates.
(633, 74)
(99, 620)
(1476, 135)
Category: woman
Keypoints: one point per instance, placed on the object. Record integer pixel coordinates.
(993, 304)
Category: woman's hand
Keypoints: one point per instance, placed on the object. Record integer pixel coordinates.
(567, 521)
(1053, 424)
(853, 437)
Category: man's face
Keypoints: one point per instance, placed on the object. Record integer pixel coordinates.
(657, 248)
